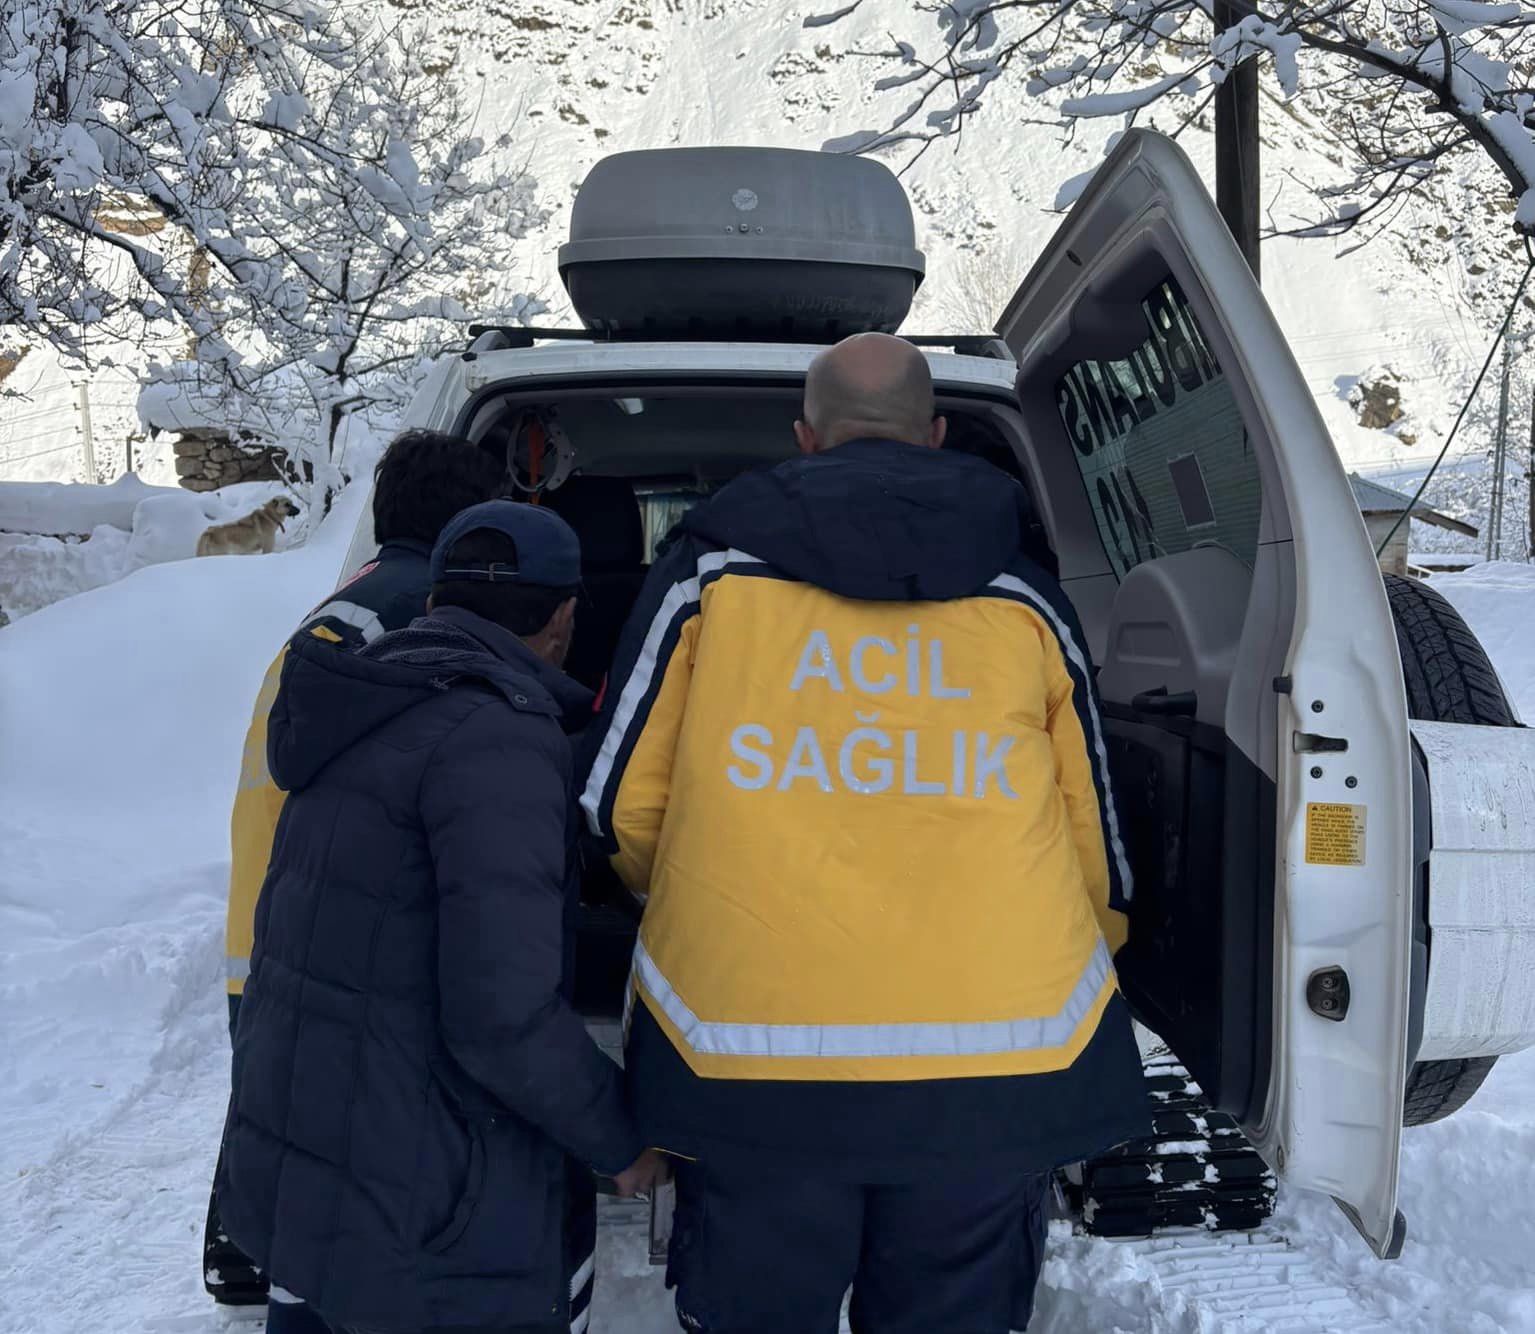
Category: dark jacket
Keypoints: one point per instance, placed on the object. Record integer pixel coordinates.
(848, 969)
(386, 593)
(408, 1075)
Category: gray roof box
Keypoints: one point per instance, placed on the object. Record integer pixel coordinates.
(756, 243)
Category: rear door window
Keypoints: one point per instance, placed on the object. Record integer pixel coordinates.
(1160, 442)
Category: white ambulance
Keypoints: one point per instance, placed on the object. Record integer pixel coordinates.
(1330, 804)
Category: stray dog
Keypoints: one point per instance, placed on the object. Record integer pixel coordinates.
(255, 534)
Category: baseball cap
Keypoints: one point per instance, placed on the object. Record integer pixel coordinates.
(548, 550)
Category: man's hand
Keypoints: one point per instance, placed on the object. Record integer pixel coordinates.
(643, 1174)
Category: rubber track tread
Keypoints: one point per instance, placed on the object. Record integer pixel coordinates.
(1196, 1171)
(1449, 679)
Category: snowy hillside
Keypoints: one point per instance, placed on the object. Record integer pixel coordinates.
(568, 81)
(571, 81)
(122, 712)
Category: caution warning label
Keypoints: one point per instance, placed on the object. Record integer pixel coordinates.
(1334, 834)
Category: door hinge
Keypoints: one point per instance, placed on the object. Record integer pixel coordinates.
(1327, 993)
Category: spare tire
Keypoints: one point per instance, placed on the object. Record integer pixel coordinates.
(1449, 679)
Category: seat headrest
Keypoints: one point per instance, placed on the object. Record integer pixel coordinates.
(606, 516)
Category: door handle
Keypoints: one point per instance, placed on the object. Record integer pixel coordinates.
(1184, 704)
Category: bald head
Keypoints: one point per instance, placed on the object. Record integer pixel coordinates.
(871, 385)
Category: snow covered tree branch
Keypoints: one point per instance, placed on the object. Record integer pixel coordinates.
(393, 223)
(282, 188)
(1413, 85)
(120, 147)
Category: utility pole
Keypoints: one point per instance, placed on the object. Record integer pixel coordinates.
(87, 438)
(1529, 486)
(1237, 176)
(1499, 458)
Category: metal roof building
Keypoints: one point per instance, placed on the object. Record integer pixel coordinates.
(1381, 507)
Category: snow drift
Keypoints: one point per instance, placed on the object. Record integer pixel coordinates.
(128, 526)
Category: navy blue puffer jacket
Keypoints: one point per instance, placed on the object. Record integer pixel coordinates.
(408, 1075)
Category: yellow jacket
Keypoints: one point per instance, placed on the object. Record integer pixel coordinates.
(876, 833)
(385, 594)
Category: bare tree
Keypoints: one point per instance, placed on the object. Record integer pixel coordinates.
(1416, 84)
(963, 291)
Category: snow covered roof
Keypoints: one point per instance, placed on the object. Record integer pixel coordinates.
(1373, 498)
(1445, 560)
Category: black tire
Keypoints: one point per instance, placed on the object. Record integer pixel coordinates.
(1437, 1089)
(1450, 679)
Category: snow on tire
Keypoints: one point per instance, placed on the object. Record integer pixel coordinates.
(1450, 679)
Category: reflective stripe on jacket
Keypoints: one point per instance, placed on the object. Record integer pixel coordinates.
(876, 831)
(386, 594)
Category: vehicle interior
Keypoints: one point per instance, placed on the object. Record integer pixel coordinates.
(1151, 506)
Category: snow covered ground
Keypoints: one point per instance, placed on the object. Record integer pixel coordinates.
(1494, 599)
(121, 716)
(127, 525)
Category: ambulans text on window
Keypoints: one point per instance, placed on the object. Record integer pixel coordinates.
(1160, 443)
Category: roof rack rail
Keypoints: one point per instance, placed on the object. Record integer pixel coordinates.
(500, 337)
(520, 335)
(966, 345)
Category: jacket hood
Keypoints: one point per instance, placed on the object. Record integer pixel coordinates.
(330, 699)
(874, 519)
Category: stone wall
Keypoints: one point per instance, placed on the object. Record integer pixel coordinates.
(207, 460)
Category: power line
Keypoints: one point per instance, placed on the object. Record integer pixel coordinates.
(37, 454)
(18, 418)
(1466, 406)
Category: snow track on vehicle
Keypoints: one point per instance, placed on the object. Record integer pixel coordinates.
(1196, 1169)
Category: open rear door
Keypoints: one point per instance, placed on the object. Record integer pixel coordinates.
(1208, 536)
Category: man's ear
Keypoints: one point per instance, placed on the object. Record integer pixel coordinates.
(804, 435)
(940, 432)
(564, 620)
